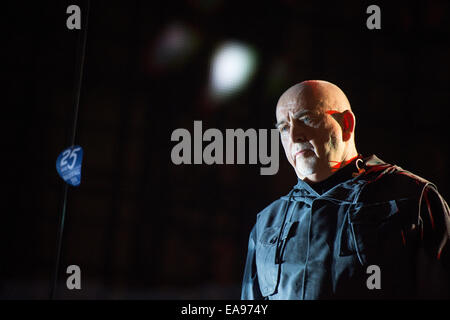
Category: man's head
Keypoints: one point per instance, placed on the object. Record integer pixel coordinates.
(317, 129)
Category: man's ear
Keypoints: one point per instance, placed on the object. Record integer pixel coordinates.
(348, 124)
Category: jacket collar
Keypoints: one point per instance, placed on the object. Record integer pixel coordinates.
(346, 191)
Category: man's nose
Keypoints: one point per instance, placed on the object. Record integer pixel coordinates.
(297, 133)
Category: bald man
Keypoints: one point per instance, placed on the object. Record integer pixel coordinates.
(353, 227)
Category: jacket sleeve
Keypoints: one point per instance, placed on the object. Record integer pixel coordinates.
(250, 285)
(433, 258)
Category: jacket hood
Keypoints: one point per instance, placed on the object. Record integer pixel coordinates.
(370, 169)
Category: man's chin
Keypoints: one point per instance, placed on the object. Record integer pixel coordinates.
(304, 171)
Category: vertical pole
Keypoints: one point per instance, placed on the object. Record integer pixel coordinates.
(82, 39)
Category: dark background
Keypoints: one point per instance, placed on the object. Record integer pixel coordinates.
(141, 227)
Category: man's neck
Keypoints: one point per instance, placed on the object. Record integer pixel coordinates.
(343, 174)
(336, 166)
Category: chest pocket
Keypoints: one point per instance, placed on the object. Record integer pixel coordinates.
(266, 247)
(365, 227)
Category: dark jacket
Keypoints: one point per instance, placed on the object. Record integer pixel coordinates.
(311, 246)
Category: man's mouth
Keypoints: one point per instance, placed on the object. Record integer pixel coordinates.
(302, 153)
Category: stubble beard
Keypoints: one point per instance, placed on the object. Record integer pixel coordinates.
(306, 166)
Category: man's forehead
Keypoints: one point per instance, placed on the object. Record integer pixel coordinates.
(299, 104)
(296, 108)
(314, 95)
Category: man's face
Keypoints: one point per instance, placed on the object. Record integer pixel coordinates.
(311, 137)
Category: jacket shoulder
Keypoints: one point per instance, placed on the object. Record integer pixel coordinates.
(272, 209)
(387, 182)
(271, 215)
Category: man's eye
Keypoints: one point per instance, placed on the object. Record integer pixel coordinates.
(307, 120)
(284, 129)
